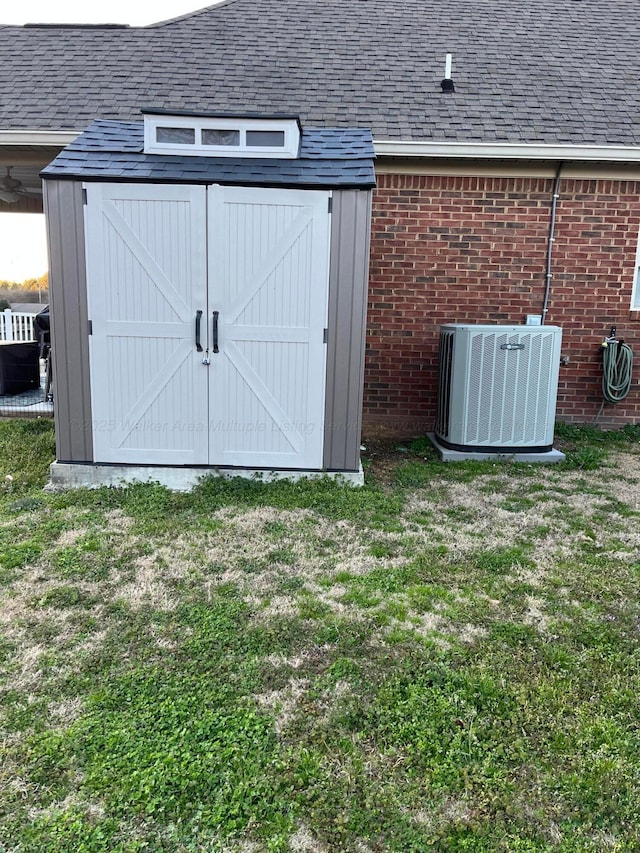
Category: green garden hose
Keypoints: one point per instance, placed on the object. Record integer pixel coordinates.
(617, 362)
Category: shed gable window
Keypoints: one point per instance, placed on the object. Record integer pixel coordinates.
(216, 136)
(176, 135)
(221, 137)
(270, 138)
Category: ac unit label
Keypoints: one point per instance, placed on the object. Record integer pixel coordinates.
(511, 346)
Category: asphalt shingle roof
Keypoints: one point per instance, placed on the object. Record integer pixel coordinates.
(113, 150)
(547, 71)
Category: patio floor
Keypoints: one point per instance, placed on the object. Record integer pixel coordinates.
(28, 403)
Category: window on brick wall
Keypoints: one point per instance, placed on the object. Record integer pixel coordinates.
(635, 294)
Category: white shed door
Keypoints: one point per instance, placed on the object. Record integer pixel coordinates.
(260, 402)
(147, 277)
(268, 283)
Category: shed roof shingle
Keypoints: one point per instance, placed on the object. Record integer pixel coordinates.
(552, 71)
(113, 150)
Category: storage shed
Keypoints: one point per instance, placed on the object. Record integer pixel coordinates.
(208, 282)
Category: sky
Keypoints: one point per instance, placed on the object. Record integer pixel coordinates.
(23, 246)
(23, 251)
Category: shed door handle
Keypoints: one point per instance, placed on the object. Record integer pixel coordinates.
(216, 314)
(198, 318)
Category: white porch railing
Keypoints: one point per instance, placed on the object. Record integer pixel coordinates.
(16, 326)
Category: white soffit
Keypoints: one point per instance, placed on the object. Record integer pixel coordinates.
(57, 138)
(404, 148)
(506, 150)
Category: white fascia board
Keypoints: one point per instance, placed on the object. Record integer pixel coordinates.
(506, 150)
(57, 138)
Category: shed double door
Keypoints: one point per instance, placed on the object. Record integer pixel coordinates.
(248, 268)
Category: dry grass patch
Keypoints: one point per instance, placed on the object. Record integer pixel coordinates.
(150, 586)
(303, 841)
(117, 521)
(470, 634)
(255, 543)
(71, 537)
(449, 812)
(466, 516)
(71, 803)
(534, 615)
(63, 713)
(283, 703)
(284, 662)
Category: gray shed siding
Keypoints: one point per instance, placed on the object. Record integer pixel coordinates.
(69, 320)
(348, 283)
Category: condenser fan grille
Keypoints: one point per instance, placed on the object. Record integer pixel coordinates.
(444, 383)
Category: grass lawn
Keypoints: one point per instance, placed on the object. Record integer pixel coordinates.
(447, 659)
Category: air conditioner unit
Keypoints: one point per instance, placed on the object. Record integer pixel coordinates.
(497, 388)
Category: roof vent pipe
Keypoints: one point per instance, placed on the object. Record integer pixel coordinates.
(447, 83)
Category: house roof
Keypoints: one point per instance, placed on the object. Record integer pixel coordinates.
(113, 150)
(28, 307)
(548, 71)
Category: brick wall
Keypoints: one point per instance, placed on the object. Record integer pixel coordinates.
(473, 249)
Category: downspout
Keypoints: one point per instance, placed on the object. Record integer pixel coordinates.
(550, 242)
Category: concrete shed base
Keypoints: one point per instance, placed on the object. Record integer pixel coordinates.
(447, 455)
(67, 475)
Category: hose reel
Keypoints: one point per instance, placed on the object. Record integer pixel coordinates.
(617, 364)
